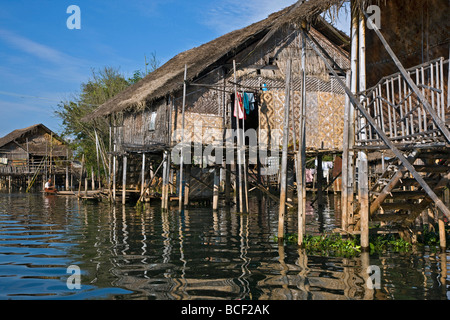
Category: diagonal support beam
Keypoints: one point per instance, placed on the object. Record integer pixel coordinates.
(437, 120)
(390, 186)
(381, 133)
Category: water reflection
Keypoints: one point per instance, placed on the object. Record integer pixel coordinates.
(126, 253)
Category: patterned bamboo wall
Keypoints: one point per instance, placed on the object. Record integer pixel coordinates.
(324, 117)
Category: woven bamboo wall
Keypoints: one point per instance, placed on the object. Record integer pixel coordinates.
(204, 128)
(324, 118)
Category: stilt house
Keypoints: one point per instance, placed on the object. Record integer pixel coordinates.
(194, 92)
(33, 152)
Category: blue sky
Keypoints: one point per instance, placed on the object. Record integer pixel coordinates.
(43, 62)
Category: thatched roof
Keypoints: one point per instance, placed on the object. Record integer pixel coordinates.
(19, 133)
(19, 136)
(169, 77)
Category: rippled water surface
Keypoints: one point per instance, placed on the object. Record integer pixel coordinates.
(123, 253)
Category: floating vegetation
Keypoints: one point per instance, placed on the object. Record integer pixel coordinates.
(337, 245)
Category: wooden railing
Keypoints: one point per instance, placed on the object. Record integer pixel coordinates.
(399, 112)
(24, 167)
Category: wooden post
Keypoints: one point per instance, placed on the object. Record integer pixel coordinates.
(124, 179)
(319, 185)
(181, 182)
(216, 187)
(86, 184)
(81, 175)
(283, 184)
(164, 182)
(93, 178)
(227, 184)
(245, 170)
(67, 170)
(345, 160)
(187, 185)
(109, 160)
(239, 146)
(442, 235)
(349, 192)
(143, 173)
(363, 178)
(114, 182)
(301, 155)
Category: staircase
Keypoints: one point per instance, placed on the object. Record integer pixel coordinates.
(416, 125)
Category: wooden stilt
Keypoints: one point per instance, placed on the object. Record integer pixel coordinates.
(319, 180)
(92, 179)
(67, 170)
(181, 182)
(442, 234)
(301, 156)
(283, 184)
(187, 184)
(164, 181)
(168, 180)
(143, 173)
(216, 187)
(114, 182)
(81, 175)
(363, 174)
(227, 184)
(239, 145)
(345, 161)
(124, 180)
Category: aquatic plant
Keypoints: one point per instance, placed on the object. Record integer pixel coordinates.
(349, 246)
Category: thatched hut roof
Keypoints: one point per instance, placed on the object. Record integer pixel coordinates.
(169, 77)
(19, 133)
(19, 136)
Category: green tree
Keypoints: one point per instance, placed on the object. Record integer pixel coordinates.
(88, 137)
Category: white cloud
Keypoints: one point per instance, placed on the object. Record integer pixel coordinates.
(52, 63)
(229, 15)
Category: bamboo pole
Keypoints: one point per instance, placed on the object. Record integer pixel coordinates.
(92, 178)
(143, 173)
(164, 181)
(301, 155)
(244, 164)
(124, 180)
(109, 161)
(227, 184)
(363, 177)
(442, 235)
(345, 160)
(187, 185)
(67, 169)
(283, 184)
(239, 158)
(319, 173)
(216, 187)
(181, 182)
(152, 177)
(352, 82)
(81, 175)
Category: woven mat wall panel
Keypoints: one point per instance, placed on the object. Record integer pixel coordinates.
(324, 118)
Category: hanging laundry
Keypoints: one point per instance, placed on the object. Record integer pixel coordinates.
(251, 100)
(245, 102)
(238, 106)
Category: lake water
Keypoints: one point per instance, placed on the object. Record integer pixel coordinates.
(127, 254)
